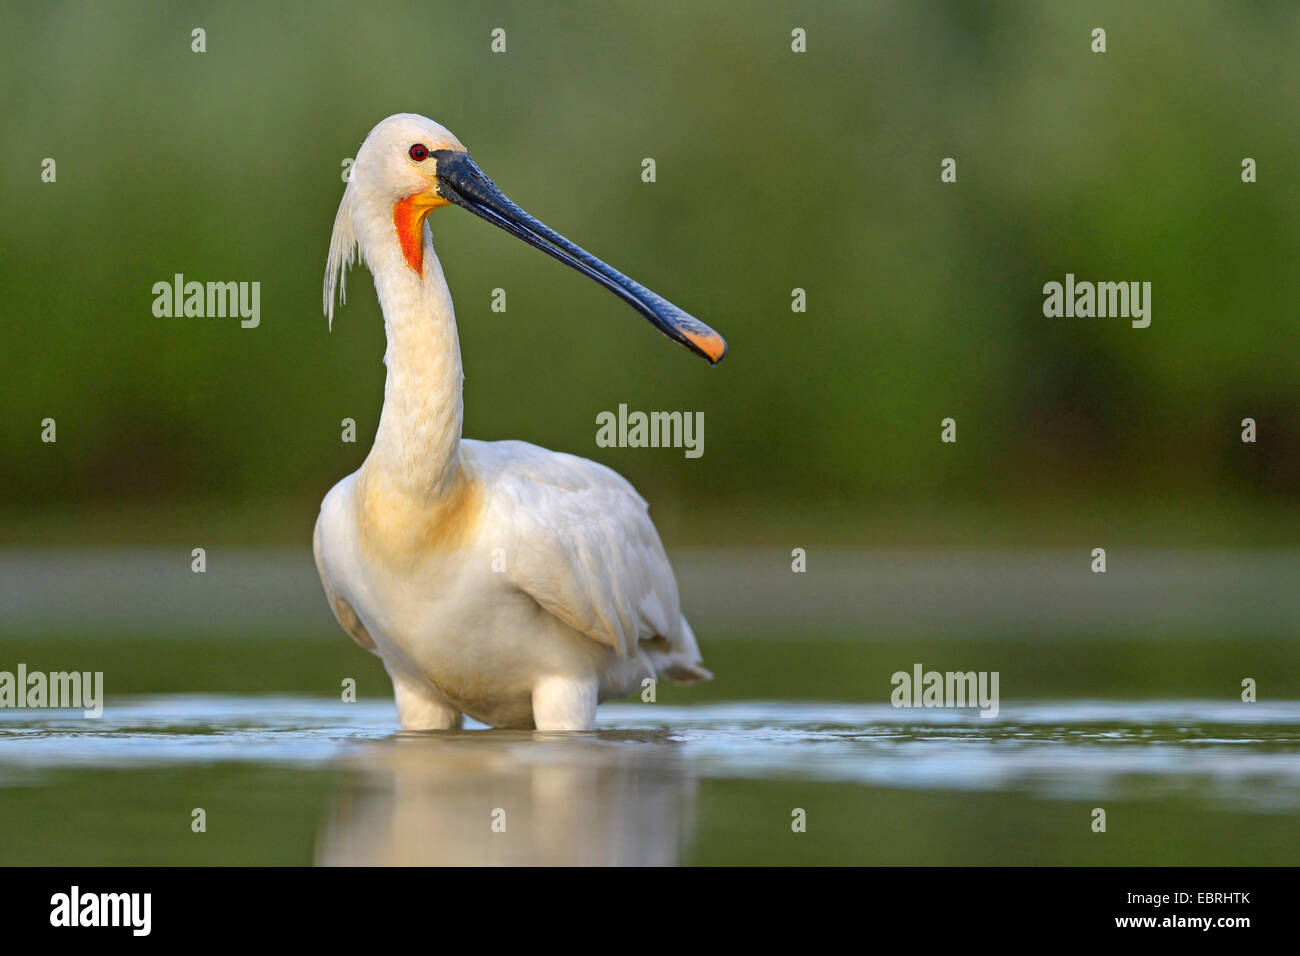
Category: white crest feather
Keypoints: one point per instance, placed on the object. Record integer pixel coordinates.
(342, 255)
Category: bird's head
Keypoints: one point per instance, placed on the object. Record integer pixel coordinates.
(409, 165)
(397, 164)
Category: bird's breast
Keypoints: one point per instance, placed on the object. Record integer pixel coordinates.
(396, 527)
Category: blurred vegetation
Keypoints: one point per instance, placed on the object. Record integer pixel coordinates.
(775, 170)
(832, 668)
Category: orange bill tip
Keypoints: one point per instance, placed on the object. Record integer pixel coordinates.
(712, 345)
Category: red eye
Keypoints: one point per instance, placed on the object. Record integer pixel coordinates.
(419, 152)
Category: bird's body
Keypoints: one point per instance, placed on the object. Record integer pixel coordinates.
(517, 585)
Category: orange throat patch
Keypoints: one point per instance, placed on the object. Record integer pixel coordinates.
(408, 220)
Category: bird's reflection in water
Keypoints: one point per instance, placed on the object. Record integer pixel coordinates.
(512, 797)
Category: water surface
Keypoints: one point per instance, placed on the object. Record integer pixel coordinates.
(286, 779)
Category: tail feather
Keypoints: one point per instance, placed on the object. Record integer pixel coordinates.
(680, 662)
(680, 673)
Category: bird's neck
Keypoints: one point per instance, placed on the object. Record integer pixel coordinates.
(417, 444)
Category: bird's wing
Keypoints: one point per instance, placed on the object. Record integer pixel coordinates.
(578, 539)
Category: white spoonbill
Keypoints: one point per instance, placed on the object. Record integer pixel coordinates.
(497, 579)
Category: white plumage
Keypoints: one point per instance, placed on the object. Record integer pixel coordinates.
(495, 579)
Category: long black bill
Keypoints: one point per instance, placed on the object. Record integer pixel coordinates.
(461, 181)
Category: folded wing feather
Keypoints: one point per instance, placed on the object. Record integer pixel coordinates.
(579, 540)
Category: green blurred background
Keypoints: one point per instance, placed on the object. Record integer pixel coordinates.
(774, 171)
